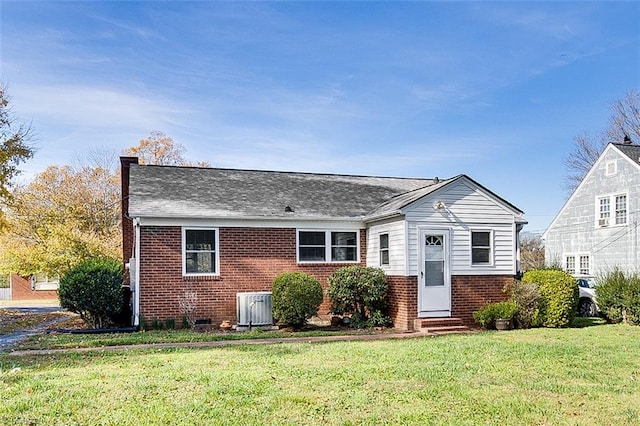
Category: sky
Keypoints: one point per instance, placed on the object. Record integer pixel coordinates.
(493, 90)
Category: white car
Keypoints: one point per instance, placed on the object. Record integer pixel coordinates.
(587, 305)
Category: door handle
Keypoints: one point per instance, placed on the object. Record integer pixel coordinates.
(421, 274)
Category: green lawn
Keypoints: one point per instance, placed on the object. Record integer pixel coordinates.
(588, 375)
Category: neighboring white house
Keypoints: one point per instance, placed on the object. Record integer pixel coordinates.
(597, 228)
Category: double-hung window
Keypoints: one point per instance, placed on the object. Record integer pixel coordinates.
(612, 210)
(384, 249)
(200, 251)
(621, 209)
(570, 265)
(584, 264)
(481, 247)
(328, 246)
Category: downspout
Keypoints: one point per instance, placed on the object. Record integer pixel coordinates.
(136, 295)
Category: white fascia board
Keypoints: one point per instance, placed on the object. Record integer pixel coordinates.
(579, 187)
(310, 223)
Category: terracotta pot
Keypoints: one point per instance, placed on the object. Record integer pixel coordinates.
(225, 325)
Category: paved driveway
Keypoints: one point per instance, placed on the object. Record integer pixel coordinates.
(10, 339)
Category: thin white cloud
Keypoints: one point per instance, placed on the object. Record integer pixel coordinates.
(94, 107)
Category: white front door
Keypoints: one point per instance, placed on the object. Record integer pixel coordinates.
(434, 280)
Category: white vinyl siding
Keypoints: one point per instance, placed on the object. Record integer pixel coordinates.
(468, 208)
(395, 230)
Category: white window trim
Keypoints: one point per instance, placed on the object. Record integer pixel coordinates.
(184, 252)
(491, 248)
(566, 257)
(611, 221)
(327, 248)
(380, 250)
(576, 256)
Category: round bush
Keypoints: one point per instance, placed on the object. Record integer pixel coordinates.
(94, 290)
(558, 296)
(360, 291)
(296, 297)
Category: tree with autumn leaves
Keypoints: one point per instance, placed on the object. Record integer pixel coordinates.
(71, 213)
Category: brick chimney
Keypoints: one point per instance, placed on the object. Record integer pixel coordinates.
(127, 223)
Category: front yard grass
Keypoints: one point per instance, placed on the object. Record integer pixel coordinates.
(578, 376)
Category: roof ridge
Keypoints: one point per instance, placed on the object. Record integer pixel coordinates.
(285, 172)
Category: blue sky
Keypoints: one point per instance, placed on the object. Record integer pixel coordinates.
(494, 90)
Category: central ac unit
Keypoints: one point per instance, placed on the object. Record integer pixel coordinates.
(254, 309)
(603, 222)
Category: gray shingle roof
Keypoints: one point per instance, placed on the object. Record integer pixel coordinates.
(164, 191)
(631, 151)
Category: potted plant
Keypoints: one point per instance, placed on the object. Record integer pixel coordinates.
(504, 313)
(499, 315)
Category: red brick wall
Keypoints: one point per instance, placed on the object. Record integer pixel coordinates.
(403, 300)
(468, 294)
(21, 290)
(250, 258)
(471, 292)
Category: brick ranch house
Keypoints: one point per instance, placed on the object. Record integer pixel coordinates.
(447, 246)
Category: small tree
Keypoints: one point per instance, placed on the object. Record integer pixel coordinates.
(296, 297)
(360, 291)
(94, 290)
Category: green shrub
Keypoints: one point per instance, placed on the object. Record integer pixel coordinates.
(170, 323)
(618, 297)
(527, 297)
(488, 314)
(296, 297)
(93, 289)
(361, 292)
(559, 296)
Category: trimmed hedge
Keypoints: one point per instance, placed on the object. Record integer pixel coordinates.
(296, 297)
(558, 296)
(94, 290)
(618, 297)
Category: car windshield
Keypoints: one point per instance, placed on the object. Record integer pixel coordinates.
(585, 283)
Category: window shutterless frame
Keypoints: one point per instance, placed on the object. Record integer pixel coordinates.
(200, 251)
(327, 246)
(481, 247)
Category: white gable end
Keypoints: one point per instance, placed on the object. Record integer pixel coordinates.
(463, 207)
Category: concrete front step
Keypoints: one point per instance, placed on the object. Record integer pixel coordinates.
(440, 325)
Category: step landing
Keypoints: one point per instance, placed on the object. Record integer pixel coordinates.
(440, 326)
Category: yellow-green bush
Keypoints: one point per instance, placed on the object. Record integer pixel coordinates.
(559, 296)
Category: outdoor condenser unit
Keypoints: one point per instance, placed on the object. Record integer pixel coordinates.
(254, 309)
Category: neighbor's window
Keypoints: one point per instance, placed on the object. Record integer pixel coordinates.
(327, 246)
(45, 282)
(384, 249)
(570, 265)
(612, 210)
(584, 265)
(480, 247)
(621, 209)
(200, 251)
(605, 211)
